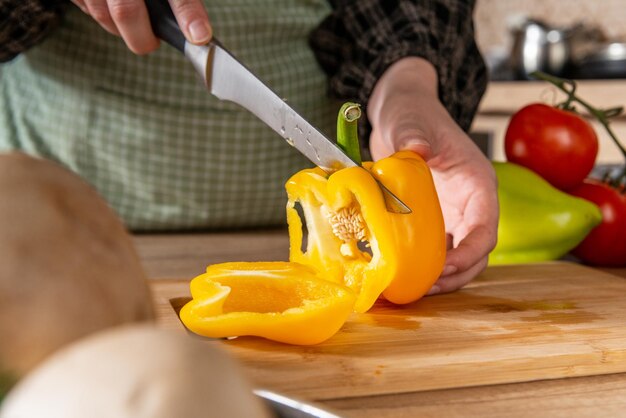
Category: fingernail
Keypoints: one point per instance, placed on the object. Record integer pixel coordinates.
(433, 290)
(448, 270)
(415, 143)
(412, 141)
(199, 31)
(418, 146)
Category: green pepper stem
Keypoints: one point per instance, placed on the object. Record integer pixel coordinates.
(602, 115)
(347, 133)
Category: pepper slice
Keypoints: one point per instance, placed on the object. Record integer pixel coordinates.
(355, 241)
(281, 301)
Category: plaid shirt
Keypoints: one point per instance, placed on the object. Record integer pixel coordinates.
(354, 45)
(24, 23)
(361, 39)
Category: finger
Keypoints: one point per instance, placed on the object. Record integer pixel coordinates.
(99, 11)
(133, 23)
(419, 146)
(379, 148)
(384, 146)
(193, 20)
(81, 5)
(474, 247)
(477, 233)
(456, 281)
(402, 134)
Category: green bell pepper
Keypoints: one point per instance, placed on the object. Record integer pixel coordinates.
(537, 221)
(6, 382)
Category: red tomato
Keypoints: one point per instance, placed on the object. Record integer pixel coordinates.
(606, 243)
(558, 145)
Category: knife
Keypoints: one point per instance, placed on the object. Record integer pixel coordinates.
(228, 79)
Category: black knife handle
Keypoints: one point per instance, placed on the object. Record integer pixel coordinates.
(164, 24)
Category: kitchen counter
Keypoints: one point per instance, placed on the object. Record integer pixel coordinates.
(183, 256)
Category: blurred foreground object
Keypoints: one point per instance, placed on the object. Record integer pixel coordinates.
(68, 267)
(136, 371)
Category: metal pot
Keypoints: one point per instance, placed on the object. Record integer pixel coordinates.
(607, 61)
(537, 47)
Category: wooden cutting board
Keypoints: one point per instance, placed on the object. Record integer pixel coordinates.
(512, 324)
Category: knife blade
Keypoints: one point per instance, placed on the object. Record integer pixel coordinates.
(229, 79)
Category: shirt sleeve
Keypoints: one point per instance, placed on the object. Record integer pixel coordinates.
(24, 23)
(361, 39)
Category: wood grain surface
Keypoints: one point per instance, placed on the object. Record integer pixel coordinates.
(185, 255)
(579, 397)
(512, 324)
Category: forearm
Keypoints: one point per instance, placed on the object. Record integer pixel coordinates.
(24, 23)
(361, 40)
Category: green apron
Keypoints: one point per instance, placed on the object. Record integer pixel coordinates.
(145, 132)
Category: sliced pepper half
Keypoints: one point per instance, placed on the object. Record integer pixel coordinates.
(353, 240)
(280, 301)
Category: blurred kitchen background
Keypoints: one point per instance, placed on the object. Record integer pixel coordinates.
(580, 39)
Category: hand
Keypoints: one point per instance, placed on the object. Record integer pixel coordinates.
(406, 114)
(129, 19)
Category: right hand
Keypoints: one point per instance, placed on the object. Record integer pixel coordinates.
(129, 19)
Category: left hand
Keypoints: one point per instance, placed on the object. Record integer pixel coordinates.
(406, 114)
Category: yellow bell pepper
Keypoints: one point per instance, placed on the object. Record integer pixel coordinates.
(355, 251)
(281, 301)
(352, 238)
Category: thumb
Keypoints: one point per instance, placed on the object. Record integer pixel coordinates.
(391, 138)
(416, 144)
(403, 127)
